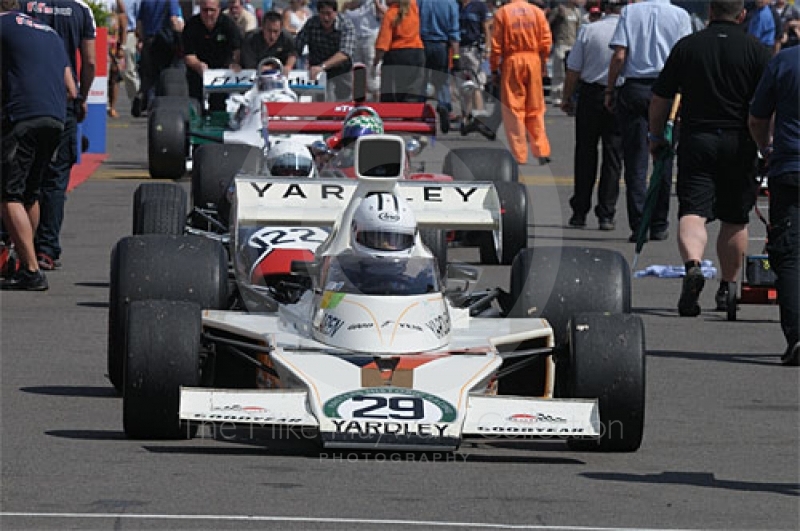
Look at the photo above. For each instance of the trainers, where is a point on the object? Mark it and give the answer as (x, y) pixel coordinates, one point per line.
(544, 161)
(47, 262)
(721, 296)
(606, 224)
(24, 280)
(792, 355)
(693, 284)
(577, 222)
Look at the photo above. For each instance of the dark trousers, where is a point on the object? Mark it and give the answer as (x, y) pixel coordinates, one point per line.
(783, 250)
(402, 76)
(593, 123)
(633, 105)
(436, 68)
(155, 57)
(53, 191)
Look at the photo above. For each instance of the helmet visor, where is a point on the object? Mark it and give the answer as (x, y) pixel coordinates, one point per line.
(385, 240)
(290, 165)
(269, 82)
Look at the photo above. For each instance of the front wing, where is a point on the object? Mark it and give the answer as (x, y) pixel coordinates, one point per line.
(418, 401)
(491, 417)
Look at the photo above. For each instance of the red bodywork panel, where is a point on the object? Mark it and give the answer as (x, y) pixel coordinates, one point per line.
(439, 177)
(327, 117)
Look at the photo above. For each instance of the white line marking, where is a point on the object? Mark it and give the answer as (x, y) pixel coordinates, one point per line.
(289, 519)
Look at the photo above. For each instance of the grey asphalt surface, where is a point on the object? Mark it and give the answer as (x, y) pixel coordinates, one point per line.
(720, 448)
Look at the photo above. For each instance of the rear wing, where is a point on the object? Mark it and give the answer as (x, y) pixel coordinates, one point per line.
(319, 202)
(226, 80)
(327, 117)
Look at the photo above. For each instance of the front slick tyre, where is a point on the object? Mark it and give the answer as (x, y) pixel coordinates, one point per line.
(163, 354)
(607, 362)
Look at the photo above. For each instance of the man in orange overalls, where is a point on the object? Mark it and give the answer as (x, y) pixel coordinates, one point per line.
(521, 42)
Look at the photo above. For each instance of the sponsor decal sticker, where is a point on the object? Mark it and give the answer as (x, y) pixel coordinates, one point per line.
(330, 300)
(530, 418)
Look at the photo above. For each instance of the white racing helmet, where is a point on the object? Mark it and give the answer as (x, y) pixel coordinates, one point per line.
(289, 158)
(384, 226)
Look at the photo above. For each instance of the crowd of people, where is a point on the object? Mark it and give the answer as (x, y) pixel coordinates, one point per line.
(616, 66)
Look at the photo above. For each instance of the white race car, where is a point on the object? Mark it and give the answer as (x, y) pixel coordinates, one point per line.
(371, 348)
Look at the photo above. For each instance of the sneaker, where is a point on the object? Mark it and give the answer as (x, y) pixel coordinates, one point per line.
(606, 224)
(24, 280)
(659, 235)
(721, 296)
(544, 160)
(792, 355)
(693, 284)
(47, 263)
(577, 222)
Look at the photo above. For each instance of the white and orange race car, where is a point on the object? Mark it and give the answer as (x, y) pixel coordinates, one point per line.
(372, 348)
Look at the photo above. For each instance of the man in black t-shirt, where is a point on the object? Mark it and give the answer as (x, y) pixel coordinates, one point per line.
(210, 40)
(269, 41)
(716, 71)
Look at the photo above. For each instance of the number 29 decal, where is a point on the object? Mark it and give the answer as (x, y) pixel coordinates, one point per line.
(381, 404)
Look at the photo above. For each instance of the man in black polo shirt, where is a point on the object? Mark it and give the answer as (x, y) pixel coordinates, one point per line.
(269, 41)
(716, 71)
(331, 41)
(210, 40)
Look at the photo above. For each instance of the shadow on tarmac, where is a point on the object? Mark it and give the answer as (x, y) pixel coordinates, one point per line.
(697, 479)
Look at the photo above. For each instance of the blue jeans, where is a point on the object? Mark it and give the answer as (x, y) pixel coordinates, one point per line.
(784, 254)
(53, 191)
(633, 105)
(437, 71)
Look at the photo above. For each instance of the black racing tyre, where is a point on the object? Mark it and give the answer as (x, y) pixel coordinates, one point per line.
(162, 354)
(514, 230)
(555, 283)
(172, 82)
(167, 143)
(174, 89)
(159, 208)
(156, 266)
(179, 103)
(485, 164)
(436, 241)
(607, 362)
(213, 170)
(732, 299)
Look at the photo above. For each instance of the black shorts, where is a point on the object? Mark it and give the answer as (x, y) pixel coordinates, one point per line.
(717, 175)
(27, 149)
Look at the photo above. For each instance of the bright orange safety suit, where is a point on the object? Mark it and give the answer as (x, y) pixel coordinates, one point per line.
(521, 42)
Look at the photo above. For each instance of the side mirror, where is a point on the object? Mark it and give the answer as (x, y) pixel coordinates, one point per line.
(414, 146)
